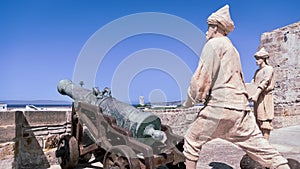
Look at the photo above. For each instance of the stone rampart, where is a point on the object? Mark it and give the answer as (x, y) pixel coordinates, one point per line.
(178, 119)
(28, 138)
(283, 44)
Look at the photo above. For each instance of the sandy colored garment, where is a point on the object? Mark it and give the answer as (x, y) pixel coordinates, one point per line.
(251, 89)
(264, 107)
(219, 76)
(238, 127)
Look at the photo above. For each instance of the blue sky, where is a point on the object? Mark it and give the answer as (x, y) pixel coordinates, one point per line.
(42, 41)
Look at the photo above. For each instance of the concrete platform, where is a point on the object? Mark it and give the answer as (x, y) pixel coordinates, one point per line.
(224, 155)
(287, 141)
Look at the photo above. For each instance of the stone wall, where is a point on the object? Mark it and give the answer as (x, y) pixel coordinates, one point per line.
(178, 119)
(283, 44)
(28, 138)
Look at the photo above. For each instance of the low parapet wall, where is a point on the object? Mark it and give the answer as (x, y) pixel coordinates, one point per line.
(27, 138)
(178, 119)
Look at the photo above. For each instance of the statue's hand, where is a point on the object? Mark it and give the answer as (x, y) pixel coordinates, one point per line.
(254, 98)
(188, 103)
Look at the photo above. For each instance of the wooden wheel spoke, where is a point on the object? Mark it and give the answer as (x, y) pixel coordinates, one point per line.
(122, 162)
(119, 157)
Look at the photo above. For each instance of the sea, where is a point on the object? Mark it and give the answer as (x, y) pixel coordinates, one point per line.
(37, 103)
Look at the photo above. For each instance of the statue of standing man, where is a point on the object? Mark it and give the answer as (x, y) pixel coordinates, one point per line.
(263, 98)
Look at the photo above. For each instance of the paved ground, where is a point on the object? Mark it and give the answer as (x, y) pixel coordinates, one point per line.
(219, 154)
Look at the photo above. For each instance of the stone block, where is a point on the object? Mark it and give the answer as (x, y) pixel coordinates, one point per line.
(30, 153)
(56, 127)
(43, 118)
(41, 133)
(180, 130)
(38, 131)
(169, 118)
(191, 117)
(7, 118)
(51, 141)
(7, 152)
(7, 133)
(58, 131)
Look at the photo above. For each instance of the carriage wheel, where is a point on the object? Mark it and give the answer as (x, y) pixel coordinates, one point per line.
(67, 152)
(85, 158)
(121, 157)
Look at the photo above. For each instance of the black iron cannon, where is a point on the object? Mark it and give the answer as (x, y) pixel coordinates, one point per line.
(122, 135)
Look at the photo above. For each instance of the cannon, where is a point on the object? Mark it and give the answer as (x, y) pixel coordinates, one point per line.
(116, 133)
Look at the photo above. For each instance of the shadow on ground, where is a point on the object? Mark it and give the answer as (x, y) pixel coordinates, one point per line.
(218, 165)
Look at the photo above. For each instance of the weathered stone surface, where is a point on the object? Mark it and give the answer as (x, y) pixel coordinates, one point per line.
(51, 141)
(33, 133)
(42, 118)
(178, 119)
(7, 133)
(7, 126)
(7, 118)
(7, 152)
(30, 154)
(248, 163)
(283, 47)
(58, 131)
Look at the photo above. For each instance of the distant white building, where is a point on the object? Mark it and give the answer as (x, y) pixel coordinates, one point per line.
(142, 101)
(3, 107)
(32, 107)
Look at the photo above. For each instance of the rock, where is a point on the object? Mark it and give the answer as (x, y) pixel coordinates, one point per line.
(293, 164)
(249, 163)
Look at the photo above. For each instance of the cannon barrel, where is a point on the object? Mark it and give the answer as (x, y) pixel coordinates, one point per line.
(143, 125)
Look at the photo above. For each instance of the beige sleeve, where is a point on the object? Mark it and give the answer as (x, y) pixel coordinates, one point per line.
(266, 83)
(202, 78)
(200, 84)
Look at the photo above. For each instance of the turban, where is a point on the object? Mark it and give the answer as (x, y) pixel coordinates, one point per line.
(262, 53)
(222, 18)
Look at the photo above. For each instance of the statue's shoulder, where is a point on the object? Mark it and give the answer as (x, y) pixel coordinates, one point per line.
(219, 42)
(222, 39)
(268, 68)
